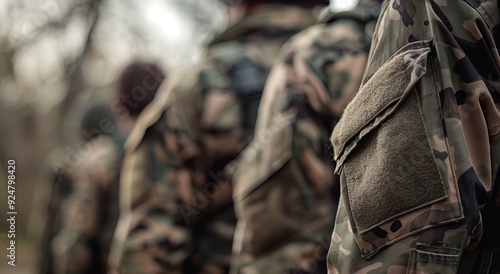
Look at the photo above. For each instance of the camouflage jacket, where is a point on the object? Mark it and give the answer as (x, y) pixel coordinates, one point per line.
(285, 189)
(89, 213)
(418, 148)
(176, 198)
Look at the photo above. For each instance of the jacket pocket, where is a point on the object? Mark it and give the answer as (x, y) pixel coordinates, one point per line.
(386, 155)
(433, 259)
(271, 195)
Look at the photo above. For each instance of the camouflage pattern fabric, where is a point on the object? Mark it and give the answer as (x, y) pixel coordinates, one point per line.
(418, 148)
(89, 167)
(55, 187)
(88, 215)
(177, 213)
(285, 174)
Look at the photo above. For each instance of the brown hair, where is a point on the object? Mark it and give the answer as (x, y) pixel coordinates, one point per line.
(138, 85)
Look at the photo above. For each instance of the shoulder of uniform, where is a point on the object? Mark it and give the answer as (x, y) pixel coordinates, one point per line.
(321, 38)
(179, 86)
(270, 20)
(228, 51)
(308, 36)
(363, 13)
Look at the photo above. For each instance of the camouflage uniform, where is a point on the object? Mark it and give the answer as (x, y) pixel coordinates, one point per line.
(85, 216)
(418, 148)
(90, 213)
(83, 208)
(176, 198)
(285, 190)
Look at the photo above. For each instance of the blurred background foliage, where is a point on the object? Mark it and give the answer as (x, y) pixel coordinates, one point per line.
(56, 56)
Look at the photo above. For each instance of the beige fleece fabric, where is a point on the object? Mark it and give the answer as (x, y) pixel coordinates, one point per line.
(388, 85)
(393, 170)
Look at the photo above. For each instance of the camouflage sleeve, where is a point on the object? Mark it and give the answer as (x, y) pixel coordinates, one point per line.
(417, 148)
(317, 74)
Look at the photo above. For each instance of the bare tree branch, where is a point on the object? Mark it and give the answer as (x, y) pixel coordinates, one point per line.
(75, 77)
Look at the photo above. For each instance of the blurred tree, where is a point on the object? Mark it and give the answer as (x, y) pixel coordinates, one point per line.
(74, 69)
(45, 46)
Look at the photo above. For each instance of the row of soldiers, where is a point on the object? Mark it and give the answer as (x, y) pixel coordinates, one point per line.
(80, 198)
(233, 166)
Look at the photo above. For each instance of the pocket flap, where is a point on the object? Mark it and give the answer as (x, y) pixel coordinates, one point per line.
(379, 97)
(382, 147)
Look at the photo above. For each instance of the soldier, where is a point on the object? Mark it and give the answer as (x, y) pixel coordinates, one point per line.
(418, 148)
(285, 191)
(177, 208)
(86, 213)
(90, 213)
